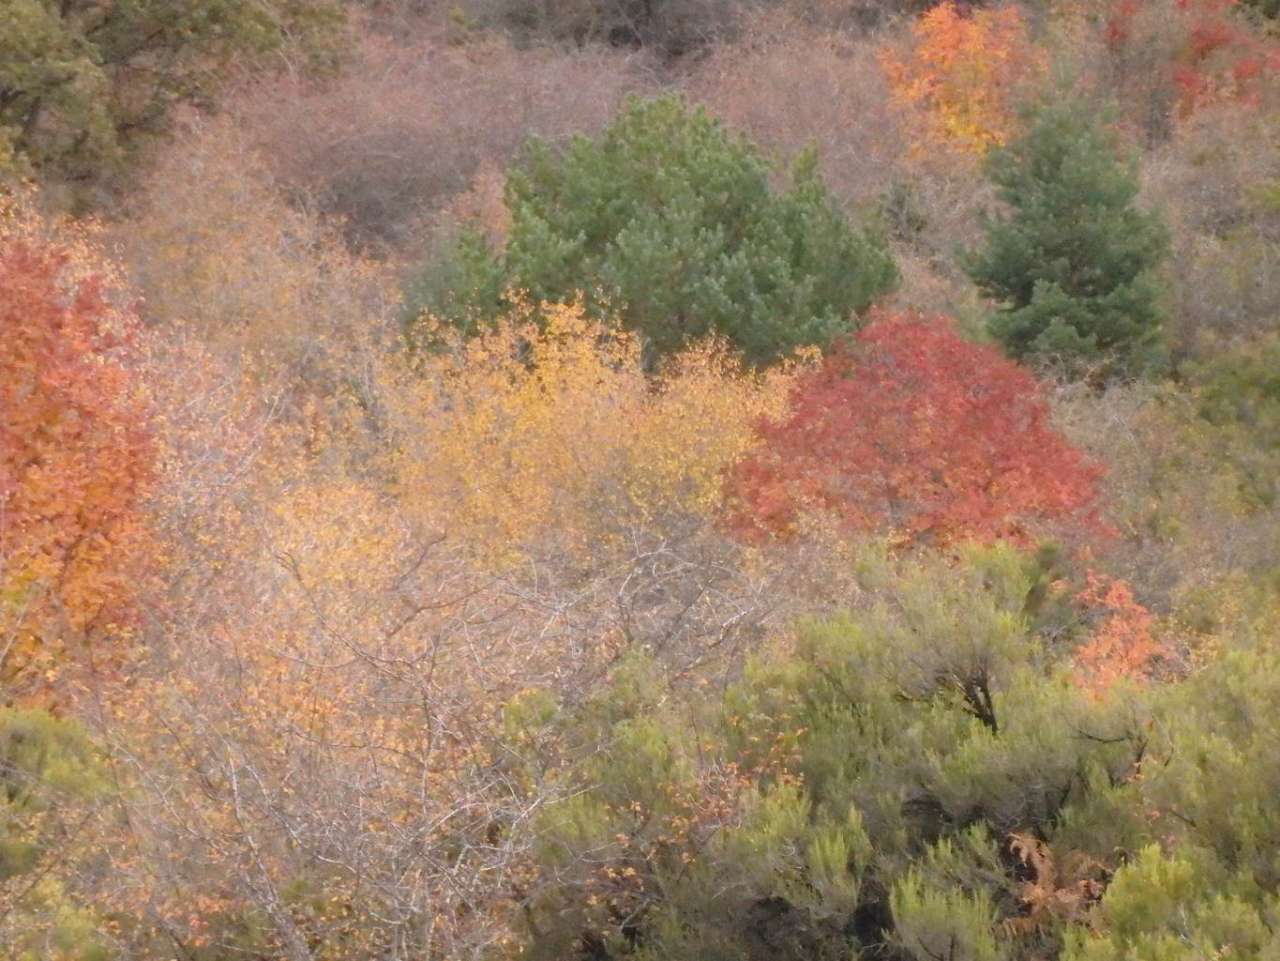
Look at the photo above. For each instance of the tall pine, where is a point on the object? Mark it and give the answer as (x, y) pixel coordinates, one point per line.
(1070, 261)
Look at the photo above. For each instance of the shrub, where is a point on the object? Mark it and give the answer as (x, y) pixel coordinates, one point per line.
(921, 776)
(863, 789)
(215, 249)
(412, 120)
(1216, 177)
(52, 781)
(671, 219)
(839, 102)
(1070, 260)
(1167, 59)
(540, 434)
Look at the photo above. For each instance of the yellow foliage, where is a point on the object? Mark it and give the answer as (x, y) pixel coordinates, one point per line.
(548, 428)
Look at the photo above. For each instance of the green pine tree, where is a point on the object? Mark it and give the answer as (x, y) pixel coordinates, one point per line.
(1071, 261)
(670, 221)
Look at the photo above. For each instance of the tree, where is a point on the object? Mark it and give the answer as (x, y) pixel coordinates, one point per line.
(910, 429)
(963, 74)
(547, 430)
(80, 79)
(1070, 261)
(76, 453)
(671, 219)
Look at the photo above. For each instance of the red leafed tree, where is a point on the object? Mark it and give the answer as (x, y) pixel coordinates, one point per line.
(912, 431)
(75, 455)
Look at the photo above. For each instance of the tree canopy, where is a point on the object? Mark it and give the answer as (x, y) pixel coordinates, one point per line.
(1070, 260)
(671, 220)
(80, 80)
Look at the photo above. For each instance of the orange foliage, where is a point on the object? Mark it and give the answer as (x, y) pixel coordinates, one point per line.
(1123, 645)
(914, 431)
(76, 455)
(1054, 893)
(963, 74)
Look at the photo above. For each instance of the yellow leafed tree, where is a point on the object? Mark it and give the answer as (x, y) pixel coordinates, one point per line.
(548, 429)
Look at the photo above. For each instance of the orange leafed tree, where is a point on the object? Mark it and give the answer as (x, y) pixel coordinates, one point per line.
(962, 74)
(1123, 645)
(912, 431)
(75, 452)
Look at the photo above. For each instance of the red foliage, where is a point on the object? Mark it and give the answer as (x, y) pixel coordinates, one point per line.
(75, 457)
(1215, 55)
(913, 431)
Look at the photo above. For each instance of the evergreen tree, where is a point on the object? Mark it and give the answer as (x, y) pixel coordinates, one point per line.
(672, 220)
(1071, 260)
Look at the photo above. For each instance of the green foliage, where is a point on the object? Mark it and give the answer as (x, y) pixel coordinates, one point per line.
(50, 775)
(1241, 387)
(79, 80)
(921, 775)
(856, 793)
(1175, 908)
(672, 219)
(941, 921)
(467, 284)
(1070, 262)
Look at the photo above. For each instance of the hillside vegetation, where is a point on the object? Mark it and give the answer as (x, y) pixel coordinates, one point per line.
(639, 480)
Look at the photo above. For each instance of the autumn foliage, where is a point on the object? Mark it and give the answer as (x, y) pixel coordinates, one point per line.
(75, 453)
(962, 74)
(550, 423)
(1123, 643)
(1209, 53)
(913, 431)
(641, 591)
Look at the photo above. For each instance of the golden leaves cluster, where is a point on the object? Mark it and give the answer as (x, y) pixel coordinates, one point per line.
(549, 425)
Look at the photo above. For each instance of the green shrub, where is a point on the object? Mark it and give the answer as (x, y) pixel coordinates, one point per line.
(50, 778)
(926, 778)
